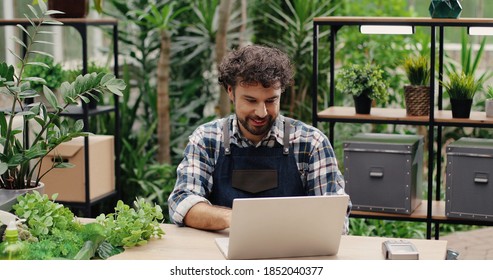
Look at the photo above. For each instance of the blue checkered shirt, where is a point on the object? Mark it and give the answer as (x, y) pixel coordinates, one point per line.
(314, 155)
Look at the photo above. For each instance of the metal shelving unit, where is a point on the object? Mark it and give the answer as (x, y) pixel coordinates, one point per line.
(84, 112)
(431, 211)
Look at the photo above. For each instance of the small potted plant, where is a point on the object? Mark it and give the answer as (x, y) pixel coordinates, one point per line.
(461, 89)
(365, 83)
(72, 8)
(21, 154)
(417, 94)
(488, 105)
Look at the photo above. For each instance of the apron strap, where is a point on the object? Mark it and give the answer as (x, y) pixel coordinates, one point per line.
(227, 145)
(287, 130)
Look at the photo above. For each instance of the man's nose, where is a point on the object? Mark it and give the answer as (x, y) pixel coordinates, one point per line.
(261, 110)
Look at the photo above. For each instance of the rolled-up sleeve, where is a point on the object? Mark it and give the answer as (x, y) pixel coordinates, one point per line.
(194, 177)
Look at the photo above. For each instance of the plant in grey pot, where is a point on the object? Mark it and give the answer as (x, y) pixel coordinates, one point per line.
(461, 88)
(21, 149)
(365, 83)
(417, 94)
(488, 103)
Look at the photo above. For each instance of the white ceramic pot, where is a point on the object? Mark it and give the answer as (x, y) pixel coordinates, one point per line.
(9, 197)
(488, 108)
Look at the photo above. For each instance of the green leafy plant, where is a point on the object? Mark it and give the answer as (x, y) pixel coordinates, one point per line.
(356, 80)
(130, 227)
(20, 160)
(489, 92)
(461, 86)
(46, 68)
(54, 232)
(42, 214)
(417, 70)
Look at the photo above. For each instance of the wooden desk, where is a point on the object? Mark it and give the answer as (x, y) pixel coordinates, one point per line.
(182, 243)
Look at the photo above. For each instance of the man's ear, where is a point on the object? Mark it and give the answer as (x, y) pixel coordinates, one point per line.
(231, 94)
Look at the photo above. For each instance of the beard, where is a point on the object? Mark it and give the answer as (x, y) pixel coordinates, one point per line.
(257, 130)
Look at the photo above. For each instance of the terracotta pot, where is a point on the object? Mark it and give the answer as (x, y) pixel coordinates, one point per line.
(71, 8)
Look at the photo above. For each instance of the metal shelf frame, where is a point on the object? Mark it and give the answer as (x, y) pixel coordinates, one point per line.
(435, 120)
(81, 25)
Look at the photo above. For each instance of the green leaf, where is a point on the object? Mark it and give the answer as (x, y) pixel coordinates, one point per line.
(42, 6)
(33, 11)
(50, 96)
(79, 125)
(36, 63)
(19, 41)
(3, 167)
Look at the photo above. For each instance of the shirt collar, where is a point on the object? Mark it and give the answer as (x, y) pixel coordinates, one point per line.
(275, 133)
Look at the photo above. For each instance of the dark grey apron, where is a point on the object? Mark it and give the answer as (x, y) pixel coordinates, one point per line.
(255, 172)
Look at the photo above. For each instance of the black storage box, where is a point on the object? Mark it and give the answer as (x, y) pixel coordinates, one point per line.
(469, 189)
(383, 172)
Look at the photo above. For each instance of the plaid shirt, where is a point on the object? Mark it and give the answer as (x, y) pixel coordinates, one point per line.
(314, 155)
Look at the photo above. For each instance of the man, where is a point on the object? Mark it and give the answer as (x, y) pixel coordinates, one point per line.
(255, 152)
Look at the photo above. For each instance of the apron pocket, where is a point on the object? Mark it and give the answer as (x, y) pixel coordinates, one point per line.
(254, 181)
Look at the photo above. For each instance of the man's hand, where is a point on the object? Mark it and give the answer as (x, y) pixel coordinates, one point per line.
(208, 217)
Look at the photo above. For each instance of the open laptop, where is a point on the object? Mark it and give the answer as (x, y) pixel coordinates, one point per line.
(284, 227)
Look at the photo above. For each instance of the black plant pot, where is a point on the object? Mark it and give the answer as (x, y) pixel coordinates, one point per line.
(71, 8)
(362, 104)
(461, 108)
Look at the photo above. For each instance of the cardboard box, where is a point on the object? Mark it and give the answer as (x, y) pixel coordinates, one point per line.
(469, 186)
(69, 183)
(383, 172)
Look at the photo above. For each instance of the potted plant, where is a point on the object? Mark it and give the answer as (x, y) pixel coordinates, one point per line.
(461, 89)
(72, 8)
(21, 155)
(417, 94)
(365, 83)
(488, 105)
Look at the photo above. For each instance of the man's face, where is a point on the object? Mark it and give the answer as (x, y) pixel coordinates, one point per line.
(256, 108)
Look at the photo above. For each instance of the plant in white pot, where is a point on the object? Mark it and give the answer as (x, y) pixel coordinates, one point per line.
(461, 88)
(365, 83)
(488, 103)
(21, 157)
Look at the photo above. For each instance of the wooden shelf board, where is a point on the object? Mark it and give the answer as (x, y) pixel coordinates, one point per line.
(399, 114)
(426, 21)
(438, 212)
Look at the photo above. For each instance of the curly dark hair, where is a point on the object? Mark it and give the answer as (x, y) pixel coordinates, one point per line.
(254, 64)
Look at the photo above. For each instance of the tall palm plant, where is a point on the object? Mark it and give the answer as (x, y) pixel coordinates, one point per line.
(162, 19)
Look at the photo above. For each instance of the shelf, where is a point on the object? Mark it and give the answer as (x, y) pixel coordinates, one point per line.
(415, 21)
(444, 117)
(348, 114)
(420, 214)
(391, 115)
(431, 210)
